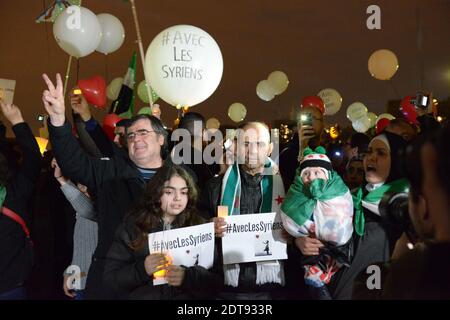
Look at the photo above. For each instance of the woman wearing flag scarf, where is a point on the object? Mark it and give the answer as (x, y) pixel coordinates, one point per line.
(374, 242)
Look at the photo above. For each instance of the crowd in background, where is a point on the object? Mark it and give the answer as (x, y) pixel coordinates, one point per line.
(89, 202)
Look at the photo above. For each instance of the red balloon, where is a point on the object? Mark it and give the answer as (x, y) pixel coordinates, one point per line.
(94, 90)
(382, 124)
(314, 101)
(109, 123)
(409, 110)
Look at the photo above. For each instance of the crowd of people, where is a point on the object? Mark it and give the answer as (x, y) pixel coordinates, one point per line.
(75, 223)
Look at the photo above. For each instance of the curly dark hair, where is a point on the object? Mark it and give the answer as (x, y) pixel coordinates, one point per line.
(147, 214)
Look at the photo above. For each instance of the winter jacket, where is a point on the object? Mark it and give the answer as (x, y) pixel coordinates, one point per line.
(125, 273)
(16, 253)
(117, 185)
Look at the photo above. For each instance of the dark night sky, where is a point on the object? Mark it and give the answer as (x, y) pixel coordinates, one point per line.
(318, 44)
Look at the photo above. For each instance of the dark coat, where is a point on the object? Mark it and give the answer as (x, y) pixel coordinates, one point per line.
(418, 274)
(15, 250)
(373, 247)
(125, 273)
(117, 185)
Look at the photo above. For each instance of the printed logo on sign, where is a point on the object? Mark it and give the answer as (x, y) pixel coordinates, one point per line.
(262, 246)
(181, 242)
(254, 227)
(73, 22)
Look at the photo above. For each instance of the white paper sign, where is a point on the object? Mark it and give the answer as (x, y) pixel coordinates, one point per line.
(190, 246)
(253, 237)
(7, 88)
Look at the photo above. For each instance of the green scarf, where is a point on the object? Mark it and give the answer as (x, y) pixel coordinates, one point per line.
(301, 200)
(2, 195)
(374, 197)
(272, 190)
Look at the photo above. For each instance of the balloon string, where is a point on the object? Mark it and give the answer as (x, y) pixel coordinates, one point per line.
(68, 71)
(78, 69)
(106, 68)
(67, 74)
(47, 38)
(141, 50)
(394, 88)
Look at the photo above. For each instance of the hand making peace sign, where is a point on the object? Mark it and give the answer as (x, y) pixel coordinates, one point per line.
(53, 99)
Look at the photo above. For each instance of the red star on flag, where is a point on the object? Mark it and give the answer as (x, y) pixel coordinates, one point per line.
(279, 199)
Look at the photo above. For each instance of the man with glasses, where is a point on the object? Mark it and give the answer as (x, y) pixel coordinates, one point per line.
(117, 182)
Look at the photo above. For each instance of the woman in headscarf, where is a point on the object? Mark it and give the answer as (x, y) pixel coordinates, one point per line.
(374, 241)
(374, 238)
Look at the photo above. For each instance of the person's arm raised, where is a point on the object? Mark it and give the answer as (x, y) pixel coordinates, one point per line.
(53, 99)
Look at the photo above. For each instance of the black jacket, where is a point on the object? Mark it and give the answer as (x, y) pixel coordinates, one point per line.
(15, 250)
(117, 185)
(288, 161)
(125, 273)
(420, 274)
(373, 247)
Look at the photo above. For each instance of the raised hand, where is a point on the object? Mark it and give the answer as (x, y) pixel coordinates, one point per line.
(57, 172)
(11, 112)
(53, 99)
(80, 105)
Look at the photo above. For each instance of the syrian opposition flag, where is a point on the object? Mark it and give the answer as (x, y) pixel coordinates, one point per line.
(124, 104)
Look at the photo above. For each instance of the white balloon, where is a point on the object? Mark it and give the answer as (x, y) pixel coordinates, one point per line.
(362, 124)
(264, 90)
(212, 123)
(77, 31)
(113, 89)
(113, 33)
(356, 110)
(383, 64)
(373, 119)
(184, 65)
(278, 81)
(332, 101)
(237, 112)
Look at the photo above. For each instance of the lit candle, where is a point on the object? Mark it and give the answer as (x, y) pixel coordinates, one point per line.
(162, 273)
(222, 211)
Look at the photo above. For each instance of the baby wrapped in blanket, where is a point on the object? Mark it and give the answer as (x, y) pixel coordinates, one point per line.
(320, 205)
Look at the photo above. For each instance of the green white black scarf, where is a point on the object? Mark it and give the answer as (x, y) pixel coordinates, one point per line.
(301, 200)
(371, 200)
(272, 191)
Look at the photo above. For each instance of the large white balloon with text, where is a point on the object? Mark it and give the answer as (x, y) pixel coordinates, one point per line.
(184, 65)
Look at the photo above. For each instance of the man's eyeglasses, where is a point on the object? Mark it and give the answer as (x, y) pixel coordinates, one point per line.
(141, 133)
